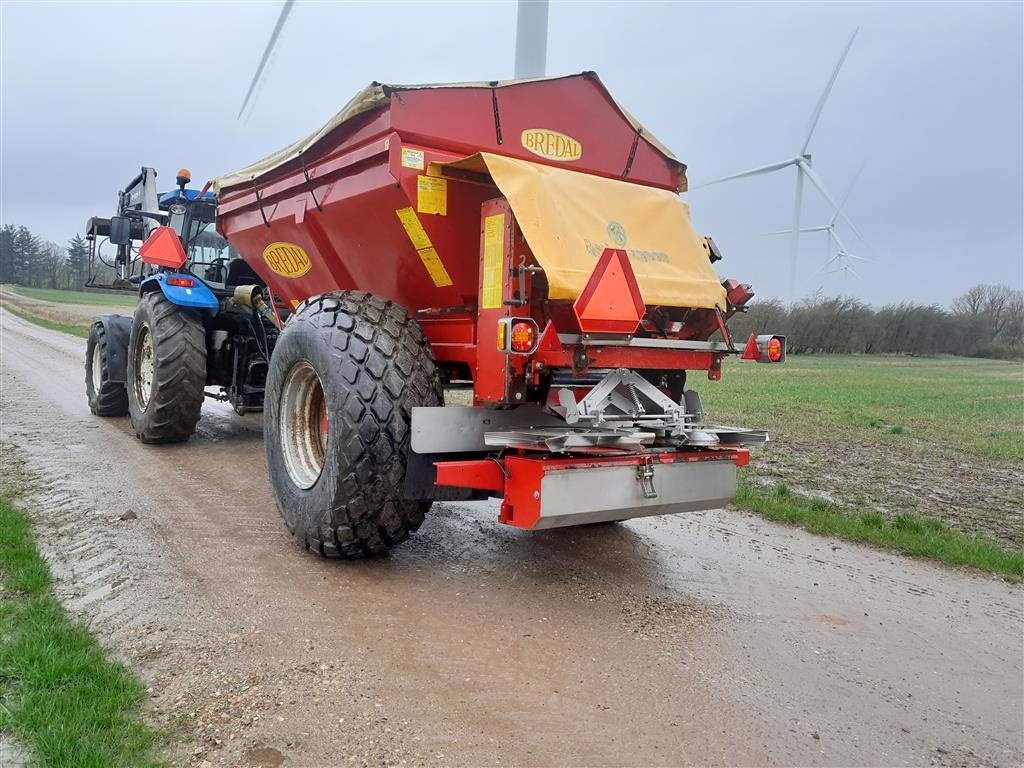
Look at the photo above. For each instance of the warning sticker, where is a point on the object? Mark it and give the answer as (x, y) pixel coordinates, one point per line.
(432, 195)
(494, 235)
(425, 249)
(412, 158)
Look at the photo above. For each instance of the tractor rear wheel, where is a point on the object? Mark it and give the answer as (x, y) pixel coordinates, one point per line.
(106, 397)
(166, 370)
(345, 375)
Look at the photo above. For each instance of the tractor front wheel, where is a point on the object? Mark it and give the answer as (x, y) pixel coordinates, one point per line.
(345, 375)
(166, 370)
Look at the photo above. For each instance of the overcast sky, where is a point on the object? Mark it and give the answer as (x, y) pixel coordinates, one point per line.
(931, 99)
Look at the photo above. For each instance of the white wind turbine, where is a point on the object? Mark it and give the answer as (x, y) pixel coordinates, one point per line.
(802, 162)
(843, 254)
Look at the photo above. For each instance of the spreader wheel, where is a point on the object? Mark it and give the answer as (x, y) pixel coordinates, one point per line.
(344, 377)
(166, 370)
(106, 397)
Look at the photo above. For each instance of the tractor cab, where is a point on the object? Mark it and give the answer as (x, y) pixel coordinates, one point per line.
(192, 214)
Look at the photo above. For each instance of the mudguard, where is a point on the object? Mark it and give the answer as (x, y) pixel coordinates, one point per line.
(117, 328)
(196, 296)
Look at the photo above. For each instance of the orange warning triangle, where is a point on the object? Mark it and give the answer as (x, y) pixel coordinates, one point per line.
(163, 248)
(610, 301)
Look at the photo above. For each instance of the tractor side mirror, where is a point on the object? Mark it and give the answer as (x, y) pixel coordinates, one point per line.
(120, 230)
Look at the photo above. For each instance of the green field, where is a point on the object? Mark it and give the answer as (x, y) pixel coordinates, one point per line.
(126, 299)
(968, 405)
(942, 438)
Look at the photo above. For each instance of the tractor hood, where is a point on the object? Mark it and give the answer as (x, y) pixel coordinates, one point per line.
(569, 218)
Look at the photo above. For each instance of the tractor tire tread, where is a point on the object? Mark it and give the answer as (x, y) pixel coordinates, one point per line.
(111, 398)
(179, 372)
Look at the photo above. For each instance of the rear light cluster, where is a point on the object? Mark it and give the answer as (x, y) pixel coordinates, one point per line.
(181, 282)
(518, 335)
(766, 348)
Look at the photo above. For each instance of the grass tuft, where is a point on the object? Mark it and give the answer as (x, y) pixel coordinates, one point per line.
(908, 533)
(57, 690)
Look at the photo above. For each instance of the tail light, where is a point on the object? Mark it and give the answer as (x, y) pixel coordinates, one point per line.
(518, 335)
(181, 282)
(766, 348)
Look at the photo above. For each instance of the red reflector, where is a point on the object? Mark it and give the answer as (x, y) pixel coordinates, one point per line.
(751, 352)
(524, 336)
(181, 282)
(775, 350)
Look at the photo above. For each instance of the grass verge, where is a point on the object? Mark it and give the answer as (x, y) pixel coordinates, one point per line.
(82, 331)
(93, 298)
(907, 533)
(58, 693)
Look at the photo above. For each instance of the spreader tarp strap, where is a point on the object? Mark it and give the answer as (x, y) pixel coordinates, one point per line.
(569, 218)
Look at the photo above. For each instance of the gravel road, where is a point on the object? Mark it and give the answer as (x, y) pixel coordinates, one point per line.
(704, 638)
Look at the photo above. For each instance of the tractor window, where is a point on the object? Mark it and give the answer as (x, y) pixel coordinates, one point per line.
(205, 245)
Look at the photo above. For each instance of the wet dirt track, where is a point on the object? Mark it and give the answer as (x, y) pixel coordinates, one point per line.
(706, 638)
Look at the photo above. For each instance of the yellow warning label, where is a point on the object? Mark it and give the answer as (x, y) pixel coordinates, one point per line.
(432, 195)
(287, 259)
(412, 158)
(494, 242)
(425, 249)
(413, 228)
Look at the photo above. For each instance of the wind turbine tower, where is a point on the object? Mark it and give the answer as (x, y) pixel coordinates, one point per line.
(531, 38)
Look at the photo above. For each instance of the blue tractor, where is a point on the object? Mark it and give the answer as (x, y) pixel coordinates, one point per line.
(204, 318)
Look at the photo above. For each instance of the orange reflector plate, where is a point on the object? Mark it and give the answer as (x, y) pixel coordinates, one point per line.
(163, 248)
(610, 301)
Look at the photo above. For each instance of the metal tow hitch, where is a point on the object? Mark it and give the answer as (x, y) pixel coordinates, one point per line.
(645, 476)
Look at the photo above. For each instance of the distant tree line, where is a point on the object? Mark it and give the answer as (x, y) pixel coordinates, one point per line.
(27, 259)
(986, 321)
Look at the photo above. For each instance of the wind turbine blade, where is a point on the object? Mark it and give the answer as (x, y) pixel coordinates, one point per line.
(751, 172)
(820, 185)
(824, 94)
(840, 245)
(802, 229)
(849, 189)
(285, 10)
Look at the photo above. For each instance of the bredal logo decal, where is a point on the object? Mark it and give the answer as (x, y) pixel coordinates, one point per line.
(287, 259)
(551, 145)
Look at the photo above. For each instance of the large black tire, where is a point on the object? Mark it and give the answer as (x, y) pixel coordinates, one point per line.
(166, 370)
(106, 397)
(344, 377)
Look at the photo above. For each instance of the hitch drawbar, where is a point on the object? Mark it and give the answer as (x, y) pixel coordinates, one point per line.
(555, 491)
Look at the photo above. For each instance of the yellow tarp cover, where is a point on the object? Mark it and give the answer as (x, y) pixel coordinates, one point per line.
(569, 218)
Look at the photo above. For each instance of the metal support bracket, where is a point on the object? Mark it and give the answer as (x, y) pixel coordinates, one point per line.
(645, 476)
(309, 183)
